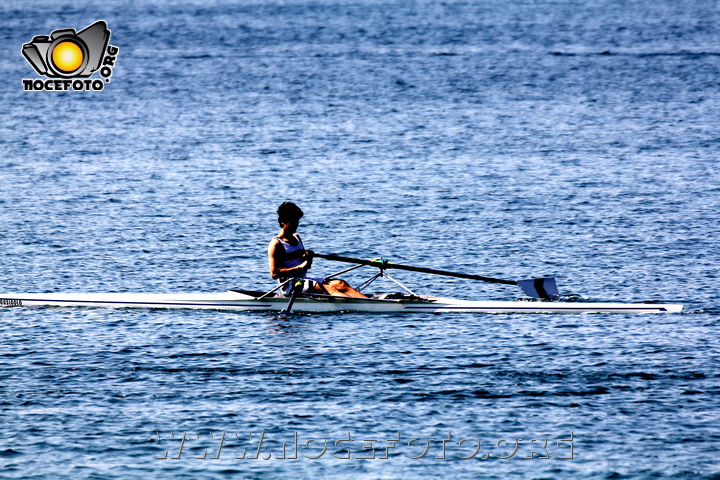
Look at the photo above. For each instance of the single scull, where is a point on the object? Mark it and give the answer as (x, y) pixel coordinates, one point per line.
(247, 300)
(243, 300)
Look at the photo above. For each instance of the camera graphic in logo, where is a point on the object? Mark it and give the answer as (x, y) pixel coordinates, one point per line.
(68, 54)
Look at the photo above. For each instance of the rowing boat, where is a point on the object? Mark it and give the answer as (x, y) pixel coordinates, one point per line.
(543, 293)
(243, 300)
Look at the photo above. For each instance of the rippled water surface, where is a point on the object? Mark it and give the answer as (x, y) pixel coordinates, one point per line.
(507, 139)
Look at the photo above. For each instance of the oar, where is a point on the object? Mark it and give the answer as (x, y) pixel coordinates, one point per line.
(535, 287)
(296, 288)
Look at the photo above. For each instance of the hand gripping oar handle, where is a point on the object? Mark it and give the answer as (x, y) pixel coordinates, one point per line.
(536, 287)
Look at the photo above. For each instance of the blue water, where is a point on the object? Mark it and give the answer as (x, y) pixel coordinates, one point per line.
(504, 138)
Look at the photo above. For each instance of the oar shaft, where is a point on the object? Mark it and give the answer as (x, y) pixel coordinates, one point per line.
(386, 265)
(453, 274)
(297, 287)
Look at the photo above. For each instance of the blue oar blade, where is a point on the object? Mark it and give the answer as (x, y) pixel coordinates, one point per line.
(539, 287)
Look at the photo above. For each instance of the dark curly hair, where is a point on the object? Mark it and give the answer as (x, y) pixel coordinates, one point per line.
(288, 212)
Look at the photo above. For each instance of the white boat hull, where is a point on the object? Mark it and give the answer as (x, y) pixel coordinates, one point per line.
(237, 300)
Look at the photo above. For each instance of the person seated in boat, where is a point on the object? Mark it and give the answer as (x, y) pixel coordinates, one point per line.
(287, 258)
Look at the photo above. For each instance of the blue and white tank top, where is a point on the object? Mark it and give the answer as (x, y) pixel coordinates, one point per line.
(293, 253)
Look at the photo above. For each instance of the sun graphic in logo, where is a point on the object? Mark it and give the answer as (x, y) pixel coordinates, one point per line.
(67, 56)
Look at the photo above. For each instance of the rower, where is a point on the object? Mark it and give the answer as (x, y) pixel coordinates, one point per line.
(287, 258)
